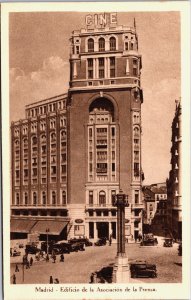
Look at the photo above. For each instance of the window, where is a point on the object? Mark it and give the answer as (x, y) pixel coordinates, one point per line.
(113, 154)
(77, 49)
(136, 197)
(113, 194)
(53, 137)
(112, 66)
(90, 68)
(102, 155)
(131, 46)
(17, 198)
(17, 174)
(136, 169)
(126, 46)
(34, 198)
(90, 45)
(63, 169)
(113, 131)
(102, 198)
(90, 165)
(53, 198)
(90, 197)
(112, 43)
(63, 198)
(25, 172)
(34, 140)
(135, 67)
(44, 198)
(101, 44)
(113, 167)
(90, 132)
(101, 167)
(101, 67)
(53, 170)
(90, 155)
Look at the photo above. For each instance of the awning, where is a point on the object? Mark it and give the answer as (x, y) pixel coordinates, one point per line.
(53, 227)
(22, 226)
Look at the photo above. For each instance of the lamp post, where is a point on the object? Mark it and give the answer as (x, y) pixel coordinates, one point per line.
(47, 231)
(121, 268)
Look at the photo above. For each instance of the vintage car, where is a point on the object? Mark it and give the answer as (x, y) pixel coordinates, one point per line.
(76, 245)
(84, 240)
(60, 248)
(168, 242)
(180, 249)
(31, 249)
(16, 252)
(142, 269)
(149, 240)
(101, 242)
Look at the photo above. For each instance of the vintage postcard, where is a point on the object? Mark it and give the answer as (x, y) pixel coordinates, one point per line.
(96, 150)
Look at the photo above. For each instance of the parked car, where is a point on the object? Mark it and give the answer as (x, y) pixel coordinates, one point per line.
(60, 248)
(76, 245)
(44, 245)
(31, 249)
(149, 240)
(81, 240)
(168, 242)
(143, 270)
(101, 242)
(16, 252)
(180, 249)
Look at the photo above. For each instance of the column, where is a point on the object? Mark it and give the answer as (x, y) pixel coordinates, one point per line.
(74, 70)
(95, 230)
(105, 67)
(87, 233)
(94, 68)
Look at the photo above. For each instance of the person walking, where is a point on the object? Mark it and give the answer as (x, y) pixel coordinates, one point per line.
(31, 261)
(54, 258)
(14, 279)
(47, 258)
(62, 257)
(51, 280)
(16, 268)
(110, 240)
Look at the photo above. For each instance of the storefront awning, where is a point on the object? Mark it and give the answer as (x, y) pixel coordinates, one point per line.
(22, 226)
(53, 227)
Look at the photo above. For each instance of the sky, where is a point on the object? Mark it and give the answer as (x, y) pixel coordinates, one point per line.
(39, 68)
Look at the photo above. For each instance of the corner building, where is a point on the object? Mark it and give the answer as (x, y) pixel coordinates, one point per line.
(104, 128)
(79, 149)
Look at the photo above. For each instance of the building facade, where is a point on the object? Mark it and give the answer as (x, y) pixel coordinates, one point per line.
(174, 180)
(73, 153)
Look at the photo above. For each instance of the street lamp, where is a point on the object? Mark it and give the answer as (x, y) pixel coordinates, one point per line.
(121, 268)
(47, 231)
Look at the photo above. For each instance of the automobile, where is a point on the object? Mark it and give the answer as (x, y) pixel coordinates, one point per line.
(76, 244)
(180, 249)
(84, 240)
(143, 270)
(168, 242)
(60, 248)
(149, 240)
(16, 252)
(101, 242)
(31, 249)
(44, 245)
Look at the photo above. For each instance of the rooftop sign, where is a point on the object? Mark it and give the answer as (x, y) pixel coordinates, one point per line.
(101, 20)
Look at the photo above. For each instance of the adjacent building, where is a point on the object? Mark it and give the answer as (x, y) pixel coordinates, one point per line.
(174, 180)
(74, 152)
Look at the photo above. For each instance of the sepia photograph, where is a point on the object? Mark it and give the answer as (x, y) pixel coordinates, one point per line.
(94, 150)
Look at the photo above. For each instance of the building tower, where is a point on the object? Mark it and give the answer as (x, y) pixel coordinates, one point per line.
(104, 127)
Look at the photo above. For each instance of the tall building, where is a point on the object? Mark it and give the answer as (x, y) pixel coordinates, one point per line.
(70, 161)
(174, 181)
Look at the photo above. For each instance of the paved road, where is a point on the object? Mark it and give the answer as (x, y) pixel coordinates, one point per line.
(79, 265)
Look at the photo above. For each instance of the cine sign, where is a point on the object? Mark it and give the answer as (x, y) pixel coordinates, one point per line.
(101, 19)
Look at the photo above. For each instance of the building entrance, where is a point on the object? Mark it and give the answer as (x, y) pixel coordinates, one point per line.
(103, 230)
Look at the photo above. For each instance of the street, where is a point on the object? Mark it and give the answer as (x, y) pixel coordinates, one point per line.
(78, 266)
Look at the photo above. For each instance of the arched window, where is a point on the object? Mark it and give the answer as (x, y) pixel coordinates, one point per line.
(43, 138)
(43, 198)
(102, 198)
(53, 137)
(34, 140)
(101, 44)
(90, 45)
(17, 199)
(34, 198)
(26, 198)
(63, 198)
(112, 43)
(53, 198)
(63, 134)
(25, 142)
(16, 142)
(136, 132)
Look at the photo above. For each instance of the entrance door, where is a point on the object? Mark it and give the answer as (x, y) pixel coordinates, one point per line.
(103, 230)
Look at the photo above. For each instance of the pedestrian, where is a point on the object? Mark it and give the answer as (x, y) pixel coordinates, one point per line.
(16, 268)
(51, 279)
(47, 257)
(31, 261)
(139, 236)
(62, 257)
(14, 279)
(27, 264)
(54, 258)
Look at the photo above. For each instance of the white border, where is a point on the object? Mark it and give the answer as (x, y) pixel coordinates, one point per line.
(164, 291)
